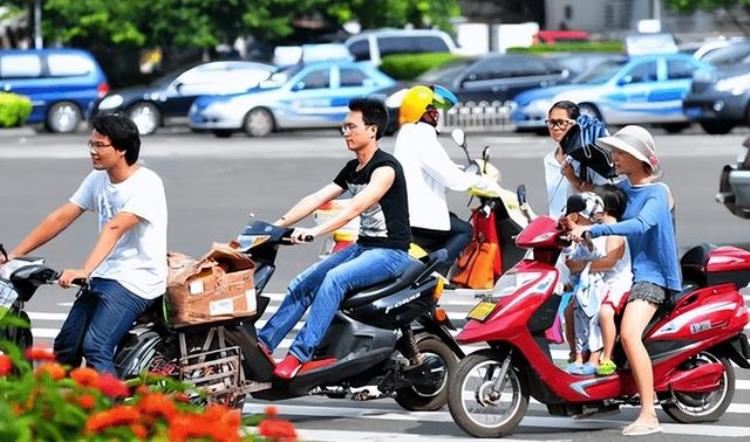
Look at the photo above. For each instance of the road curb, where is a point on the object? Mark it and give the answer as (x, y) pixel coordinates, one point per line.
(17, 132)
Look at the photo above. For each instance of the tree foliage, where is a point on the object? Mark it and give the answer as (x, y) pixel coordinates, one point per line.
(692, 5)
(205, 23)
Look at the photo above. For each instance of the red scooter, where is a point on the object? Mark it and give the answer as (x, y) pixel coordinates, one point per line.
(691, 342)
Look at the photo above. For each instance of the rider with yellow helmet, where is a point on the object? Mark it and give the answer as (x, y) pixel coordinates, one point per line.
(430, 172)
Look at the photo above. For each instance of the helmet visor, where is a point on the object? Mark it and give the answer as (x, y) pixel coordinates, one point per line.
(444, 99)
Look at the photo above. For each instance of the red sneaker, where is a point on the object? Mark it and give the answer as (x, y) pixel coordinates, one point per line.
(287, 368)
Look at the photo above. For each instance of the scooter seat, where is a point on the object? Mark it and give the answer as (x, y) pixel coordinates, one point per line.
(357, 297)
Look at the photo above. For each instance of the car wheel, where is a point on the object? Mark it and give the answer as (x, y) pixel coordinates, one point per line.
(146, 117)
(63, 117)
(590, 110)
(222, 133)
(717, 127)
(258, 123)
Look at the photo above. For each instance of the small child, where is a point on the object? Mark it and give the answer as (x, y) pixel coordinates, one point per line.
(602, 273)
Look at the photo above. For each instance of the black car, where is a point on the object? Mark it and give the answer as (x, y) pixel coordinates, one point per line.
(719, 99)
(496, 77)
(171, 96)
(490, 78)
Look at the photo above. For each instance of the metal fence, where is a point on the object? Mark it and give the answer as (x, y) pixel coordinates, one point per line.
(479, 116)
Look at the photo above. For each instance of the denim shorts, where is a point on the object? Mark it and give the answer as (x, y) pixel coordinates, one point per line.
(655, 294)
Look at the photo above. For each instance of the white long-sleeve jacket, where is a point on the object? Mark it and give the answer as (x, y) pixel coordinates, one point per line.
(429, 171)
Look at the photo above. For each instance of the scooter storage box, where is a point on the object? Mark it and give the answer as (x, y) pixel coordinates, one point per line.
(217, 287)
(708, 264)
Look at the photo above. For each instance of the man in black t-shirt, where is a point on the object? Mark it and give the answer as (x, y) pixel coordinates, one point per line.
(377, 182)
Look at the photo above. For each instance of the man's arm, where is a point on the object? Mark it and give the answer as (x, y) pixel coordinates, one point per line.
(308, 204)
(108, 238)
(380, 181)
(50, 227)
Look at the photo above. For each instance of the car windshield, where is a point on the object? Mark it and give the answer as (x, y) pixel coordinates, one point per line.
(600, 73)
(281, 76)
(444, 74)
(731, 54)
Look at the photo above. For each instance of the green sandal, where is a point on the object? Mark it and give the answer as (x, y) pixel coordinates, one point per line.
(606, 368)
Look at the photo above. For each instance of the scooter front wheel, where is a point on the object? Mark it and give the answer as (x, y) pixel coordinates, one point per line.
(689, 408)
(483, 404)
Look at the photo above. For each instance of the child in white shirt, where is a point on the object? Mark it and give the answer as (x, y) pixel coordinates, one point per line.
(603, 274)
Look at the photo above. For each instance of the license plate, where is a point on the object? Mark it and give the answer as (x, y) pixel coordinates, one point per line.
(481, 311)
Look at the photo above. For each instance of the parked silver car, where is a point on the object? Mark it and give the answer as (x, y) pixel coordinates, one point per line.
(734, 187)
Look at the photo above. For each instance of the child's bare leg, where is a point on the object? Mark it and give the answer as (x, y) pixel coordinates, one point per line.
(570, 334)
(609, 331)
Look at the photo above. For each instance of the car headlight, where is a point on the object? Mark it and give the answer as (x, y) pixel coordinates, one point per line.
(735, 85)
(111, 102)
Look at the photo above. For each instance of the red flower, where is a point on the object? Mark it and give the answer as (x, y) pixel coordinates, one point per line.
(158, 404)
(272, 411)
(40, 354)
(84, 376)
(52, 369)
(140, 431)
(112, 386)
(6, 365)
(86, 401)
(277, 429)
(119, 415)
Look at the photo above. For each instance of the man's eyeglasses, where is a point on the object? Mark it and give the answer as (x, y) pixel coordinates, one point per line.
(561, 123)
(346, 129)
(97, 146)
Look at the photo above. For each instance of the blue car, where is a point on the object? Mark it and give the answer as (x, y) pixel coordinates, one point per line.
(63, 84)
(302, 96)
(628, 90)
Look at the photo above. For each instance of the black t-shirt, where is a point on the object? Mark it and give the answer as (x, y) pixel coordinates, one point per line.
(386, 223)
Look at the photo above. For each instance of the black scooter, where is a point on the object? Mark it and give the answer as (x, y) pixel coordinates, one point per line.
(391, 336)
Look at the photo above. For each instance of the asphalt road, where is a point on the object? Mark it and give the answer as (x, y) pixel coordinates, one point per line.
(213, 185)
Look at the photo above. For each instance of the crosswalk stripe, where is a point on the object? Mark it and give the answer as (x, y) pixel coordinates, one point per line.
(373, 436)
(555, 422)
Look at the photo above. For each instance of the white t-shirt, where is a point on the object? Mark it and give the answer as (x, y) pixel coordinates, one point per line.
(139, 259)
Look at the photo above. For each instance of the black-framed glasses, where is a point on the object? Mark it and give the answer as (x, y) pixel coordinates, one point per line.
(561, 123)
(97, 146)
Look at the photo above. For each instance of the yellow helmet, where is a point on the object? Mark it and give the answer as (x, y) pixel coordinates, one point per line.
(417, 98)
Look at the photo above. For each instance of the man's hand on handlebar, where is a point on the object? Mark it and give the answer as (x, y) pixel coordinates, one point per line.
(575, 232)
(72, 277)
(302, 235)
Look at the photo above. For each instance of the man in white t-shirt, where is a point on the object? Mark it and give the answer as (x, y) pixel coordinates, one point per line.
(127, 267)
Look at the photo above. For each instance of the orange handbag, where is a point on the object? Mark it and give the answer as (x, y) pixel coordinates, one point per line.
(476, 266)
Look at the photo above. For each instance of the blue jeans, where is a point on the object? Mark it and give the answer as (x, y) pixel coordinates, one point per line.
(324, 285)
(97, 321)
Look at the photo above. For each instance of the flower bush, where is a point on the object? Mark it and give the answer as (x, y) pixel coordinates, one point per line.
(41, 400)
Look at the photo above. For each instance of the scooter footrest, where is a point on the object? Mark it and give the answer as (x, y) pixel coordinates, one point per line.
(314, 365)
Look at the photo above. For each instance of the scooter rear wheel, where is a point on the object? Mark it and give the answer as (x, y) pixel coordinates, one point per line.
(690, 408)
(473, 405)
(430, 398)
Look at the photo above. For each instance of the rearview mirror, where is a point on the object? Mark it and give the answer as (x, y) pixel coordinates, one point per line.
(298, 86)
(459, 137)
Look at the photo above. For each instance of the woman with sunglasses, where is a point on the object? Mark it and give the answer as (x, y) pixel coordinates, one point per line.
(563, 175)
